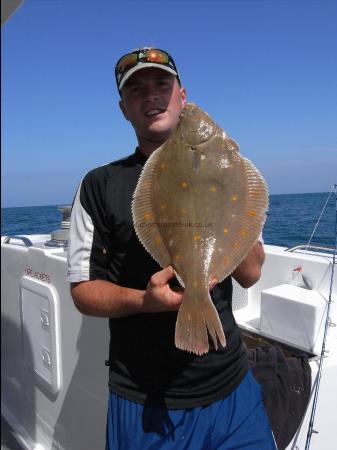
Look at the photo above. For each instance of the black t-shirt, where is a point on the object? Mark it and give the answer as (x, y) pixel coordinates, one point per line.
(145, 365)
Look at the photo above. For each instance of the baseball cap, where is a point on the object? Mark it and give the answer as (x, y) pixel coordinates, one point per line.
(142, 58)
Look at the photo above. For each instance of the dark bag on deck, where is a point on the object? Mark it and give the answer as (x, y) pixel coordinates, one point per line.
(286, 386)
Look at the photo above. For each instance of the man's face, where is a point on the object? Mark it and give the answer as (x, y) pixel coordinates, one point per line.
(152, 101)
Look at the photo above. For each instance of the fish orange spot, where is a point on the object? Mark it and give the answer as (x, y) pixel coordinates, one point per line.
(213, 189)
(178, 257)
(226, 261)
(147, 216)
(252, 213)
(243, 233)
(225, 230)
(236, 246)
(234, 198)
(184, 185)
(256, 194)
(197, 237)
(162, 166)
(158, 240)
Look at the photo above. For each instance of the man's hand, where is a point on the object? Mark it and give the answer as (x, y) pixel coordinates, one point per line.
(159, 296)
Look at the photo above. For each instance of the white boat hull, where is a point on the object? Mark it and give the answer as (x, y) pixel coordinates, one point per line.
(53, 376)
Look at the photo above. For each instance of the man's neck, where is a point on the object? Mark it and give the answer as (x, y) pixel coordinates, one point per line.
(148, 147)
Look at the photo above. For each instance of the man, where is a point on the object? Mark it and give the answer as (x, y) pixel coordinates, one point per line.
(160, 396)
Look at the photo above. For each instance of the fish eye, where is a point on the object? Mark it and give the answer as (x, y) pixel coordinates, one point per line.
(196, 133)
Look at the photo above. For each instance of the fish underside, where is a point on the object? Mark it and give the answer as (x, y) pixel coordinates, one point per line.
(199, 206)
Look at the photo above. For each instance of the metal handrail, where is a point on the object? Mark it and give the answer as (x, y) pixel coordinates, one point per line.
(313, 247)
(26, 241)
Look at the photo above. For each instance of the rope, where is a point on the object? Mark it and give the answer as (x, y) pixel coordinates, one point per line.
(320, 216)
(326, 327)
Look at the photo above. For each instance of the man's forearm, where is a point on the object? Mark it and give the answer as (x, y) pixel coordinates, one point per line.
(249, 271)
(105, 299)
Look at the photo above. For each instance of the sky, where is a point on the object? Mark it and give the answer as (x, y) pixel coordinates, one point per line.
(266, 72)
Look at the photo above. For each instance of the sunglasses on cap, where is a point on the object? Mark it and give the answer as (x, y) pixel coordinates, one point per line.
(144, 57)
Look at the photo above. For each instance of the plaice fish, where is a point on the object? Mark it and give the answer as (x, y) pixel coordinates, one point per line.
(199, 206)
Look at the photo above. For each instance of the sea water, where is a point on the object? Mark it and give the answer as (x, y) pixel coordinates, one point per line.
(291, 219)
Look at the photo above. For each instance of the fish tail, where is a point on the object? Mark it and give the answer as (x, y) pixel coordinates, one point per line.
(196, 319)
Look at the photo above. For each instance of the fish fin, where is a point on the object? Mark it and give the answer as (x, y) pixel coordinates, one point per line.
(251, 222)
(142, 214)
(232, 145)
(197, 318)
(180, 280)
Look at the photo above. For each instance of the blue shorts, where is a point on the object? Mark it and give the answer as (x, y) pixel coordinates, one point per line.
(238, 421)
